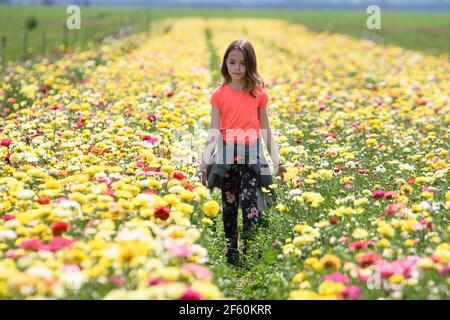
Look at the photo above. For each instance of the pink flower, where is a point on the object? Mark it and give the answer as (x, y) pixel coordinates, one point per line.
(390, 195)
(199, 271)
(8, 217)
(149, 139)
(337, 277)
(117, 281)
(5, 142)
(358, 245)
(393, 208)
(362, 277)
(180, 251)
(190, 294)
(444, 269)
(58, 243)
(406, 267)
(154, 281)
(32, 244)
(350, 293)
(378, 194)
(362, 171)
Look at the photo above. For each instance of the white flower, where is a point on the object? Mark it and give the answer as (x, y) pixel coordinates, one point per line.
(380, 169)
(41, 272)
(147, 196)
(73, 279)
(425, 205)
(295, 192)
(176, 189)
(350, 164)
(24, 194)
(6, 235)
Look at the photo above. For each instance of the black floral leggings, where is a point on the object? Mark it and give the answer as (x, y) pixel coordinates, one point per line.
(239, 186)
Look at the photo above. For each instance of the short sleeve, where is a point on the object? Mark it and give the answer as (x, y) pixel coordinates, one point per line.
(215, 98)
(263, 99)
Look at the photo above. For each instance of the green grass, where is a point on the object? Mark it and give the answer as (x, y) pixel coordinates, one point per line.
(96, 23)
(423, 31)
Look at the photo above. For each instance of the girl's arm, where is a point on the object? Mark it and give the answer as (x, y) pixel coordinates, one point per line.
(211, 140)
(272, 148)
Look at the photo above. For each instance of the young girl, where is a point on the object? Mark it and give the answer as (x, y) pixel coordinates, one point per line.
(238, 119)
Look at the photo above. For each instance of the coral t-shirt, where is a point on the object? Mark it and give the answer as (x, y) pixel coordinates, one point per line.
(239, 121)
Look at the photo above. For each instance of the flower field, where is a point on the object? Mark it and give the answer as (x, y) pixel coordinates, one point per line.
(99, 150)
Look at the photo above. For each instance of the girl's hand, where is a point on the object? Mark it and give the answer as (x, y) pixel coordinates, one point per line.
(202, 174)
(280, 169)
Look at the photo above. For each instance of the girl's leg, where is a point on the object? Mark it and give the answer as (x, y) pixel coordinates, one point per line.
(230, 205)
(248, 198)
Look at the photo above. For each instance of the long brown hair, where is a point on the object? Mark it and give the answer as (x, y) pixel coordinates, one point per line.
(252, 77)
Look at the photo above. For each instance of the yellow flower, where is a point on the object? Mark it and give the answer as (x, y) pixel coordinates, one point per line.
(330, 261)
(360, 233)
(360, 202)
(371, 142)
(303, 295)
(443, 252)
(187, 195)
(386, 230)
(396, 279)
(329, 287)
(211, 208)
(207, 290)
(299, 277)
(385, 243)
(410, 242)
(207, 221)
(281, 207)
(325, 174)
(426, 195)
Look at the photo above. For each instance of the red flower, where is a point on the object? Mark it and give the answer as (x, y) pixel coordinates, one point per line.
(333, 220)
(55, 107)
(11, 100)
(151, 117)
(59, 227)
(44, 200)
(169, 94)
(178, 175)
(44, 89)
(368, 259)
(162, 212)
(339, 168)
(78, 124)
(5, 142)
(362, 171)
(411, 180)
(333, 135)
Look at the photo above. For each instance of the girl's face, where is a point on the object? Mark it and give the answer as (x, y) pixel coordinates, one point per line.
(236, 65)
